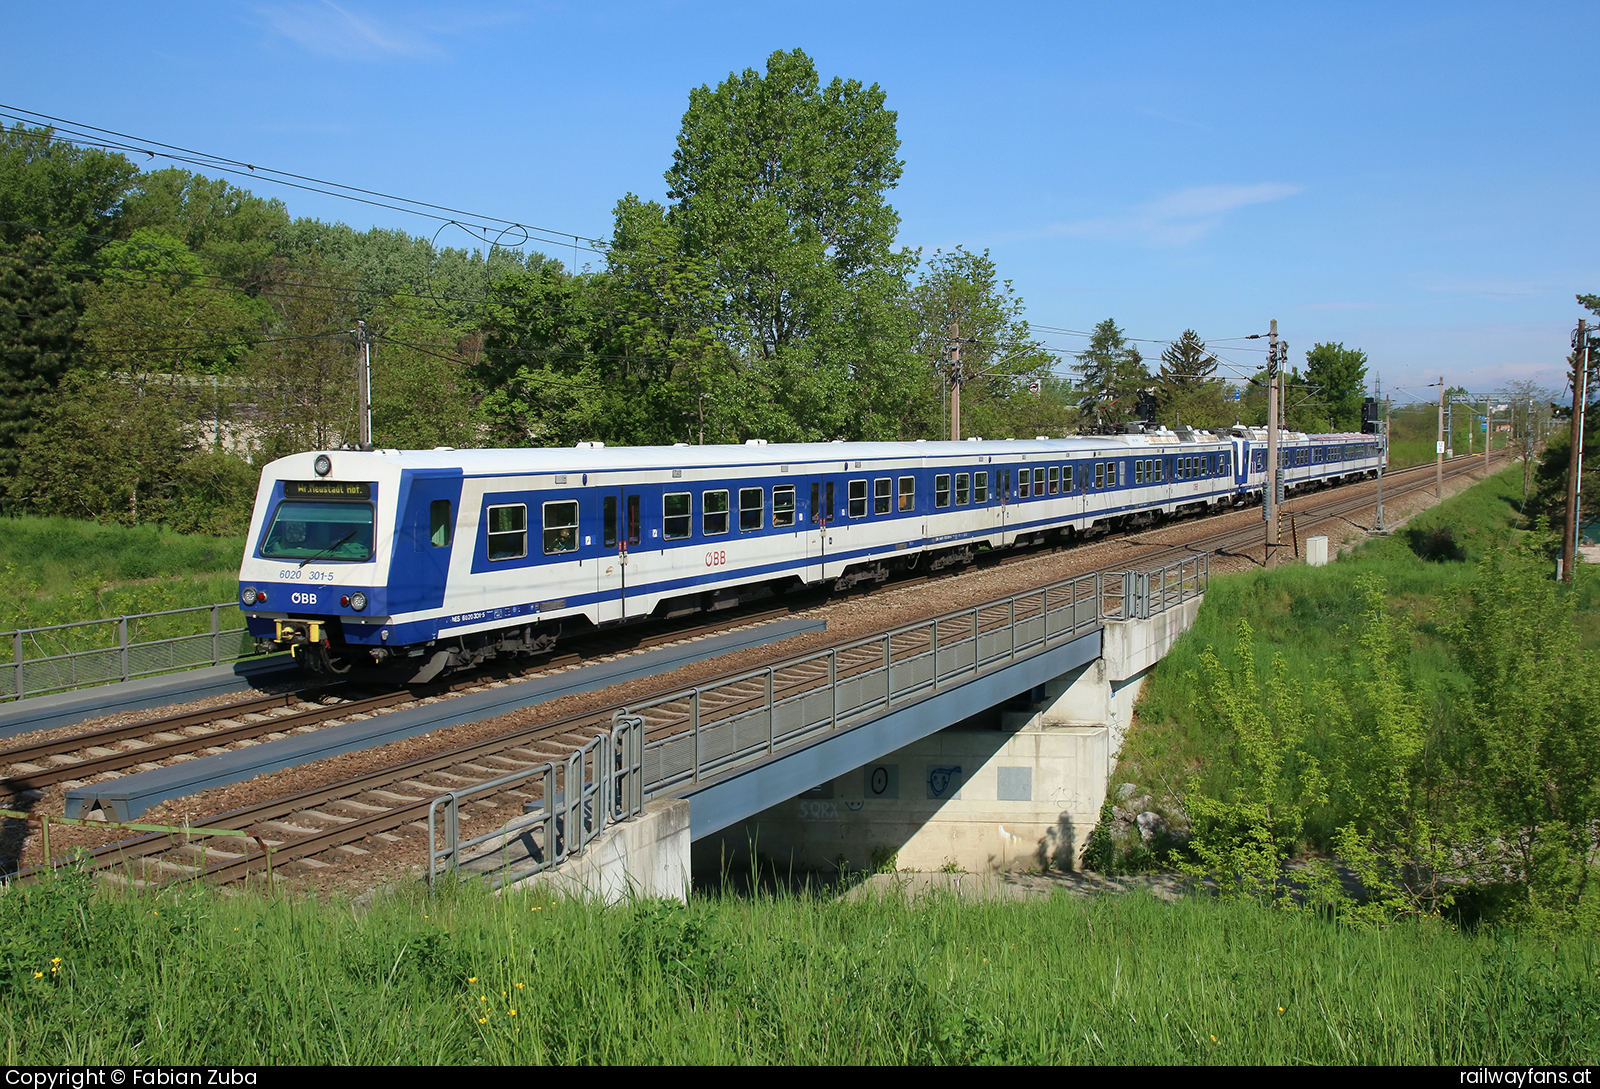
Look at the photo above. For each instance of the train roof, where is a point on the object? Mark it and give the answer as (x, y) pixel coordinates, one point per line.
(592, 457)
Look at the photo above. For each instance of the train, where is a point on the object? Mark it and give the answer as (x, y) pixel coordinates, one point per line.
(421, 562)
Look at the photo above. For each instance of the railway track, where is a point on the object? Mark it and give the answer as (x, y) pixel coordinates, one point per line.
(388, 805)
(155, 742)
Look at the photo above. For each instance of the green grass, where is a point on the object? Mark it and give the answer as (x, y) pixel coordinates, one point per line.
(1414, 431)
(1306, 614)
(58, 570)
(195, 977)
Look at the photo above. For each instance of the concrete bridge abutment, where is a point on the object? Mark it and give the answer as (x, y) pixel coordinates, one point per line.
(1014, 787)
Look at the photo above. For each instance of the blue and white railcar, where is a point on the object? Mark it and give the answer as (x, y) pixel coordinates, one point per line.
(438, 559)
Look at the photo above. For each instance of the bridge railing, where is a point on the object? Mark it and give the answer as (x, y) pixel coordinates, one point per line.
(1140, 595)
(58, 657)
(570, 802)
(707, 730)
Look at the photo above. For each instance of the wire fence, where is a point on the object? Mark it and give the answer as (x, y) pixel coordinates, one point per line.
(59, 657)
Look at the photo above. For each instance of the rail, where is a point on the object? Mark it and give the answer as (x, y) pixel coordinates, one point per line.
(121, 648)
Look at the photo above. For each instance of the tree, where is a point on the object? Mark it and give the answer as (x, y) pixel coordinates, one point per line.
(1391, 785)
(778, 185)
(1001, 362)
(155, 310)
(1528, 406)
(235, 233)
(38, 313)
(1250, 820)
(107, 448)
(422, 393)
(1338, 379)
(1114, 374)
(303, 373)
(1186, 391)
(71, 196)
(1533, 723)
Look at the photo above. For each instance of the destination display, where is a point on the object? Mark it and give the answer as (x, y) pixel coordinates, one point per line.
(327, 489)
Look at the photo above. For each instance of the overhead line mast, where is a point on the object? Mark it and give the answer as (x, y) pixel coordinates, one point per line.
(1580, 396)
(1276, 352)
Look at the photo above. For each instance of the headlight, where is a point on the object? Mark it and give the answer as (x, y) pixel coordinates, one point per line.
(249, 595)
(358, 601)
(323, 465)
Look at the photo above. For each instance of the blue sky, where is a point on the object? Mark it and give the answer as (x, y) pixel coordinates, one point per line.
(1416, 180)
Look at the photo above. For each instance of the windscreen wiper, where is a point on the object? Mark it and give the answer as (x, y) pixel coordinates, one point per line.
(330, 548)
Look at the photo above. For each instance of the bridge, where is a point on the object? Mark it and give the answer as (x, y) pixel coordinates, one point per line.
(983, 737)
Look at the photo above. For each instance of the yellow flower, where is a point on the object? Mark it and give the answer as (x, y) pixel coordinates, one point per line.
(38, 975)
(483, 1020)
(513, 1013)
(472, 979)
(483, 998)
(1213, 1039)
(1280, 1009)
(519, 986)
(55, 960)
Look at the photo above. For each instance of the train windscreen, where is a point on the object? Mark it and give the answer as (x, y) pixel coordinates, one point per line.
(301, 530)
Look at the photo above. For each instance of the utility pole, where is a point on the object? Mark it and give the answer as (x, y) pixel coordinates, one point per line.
(1269, 489)
(1580, 392)
(365, 384)
(1438, 449)
(1383, 457)
(955, 381)
(1488, 433)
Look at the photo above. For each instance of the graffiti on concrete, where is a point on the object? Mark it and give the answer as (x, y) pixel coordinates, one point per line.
(944, 781)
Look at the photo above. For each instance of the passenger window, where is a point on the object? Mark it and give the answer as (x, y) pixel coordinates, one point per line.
(980, 488)
(508, 532)
(1138, 472)
(560, 527)
(1055, 479)
(941, 490)
(1023, 478)
(908, 494)
(752, 509)
(714, 512)
(1099, 474)
(880, 495)
(675, 516)
(858, 499)
(783, 505)
(962, 488)
(440, 524)
(1161, 465)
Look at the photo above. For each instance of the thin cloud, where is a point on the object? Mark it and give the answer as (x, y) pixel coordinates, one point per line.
(1180, 218)
(1499, 290)
(334, 31)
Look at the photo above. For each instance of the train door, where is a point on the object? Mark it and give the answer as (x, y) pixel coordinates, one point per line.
(620, 529)
(1005, 507)
(418, 574)
(818, 513)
